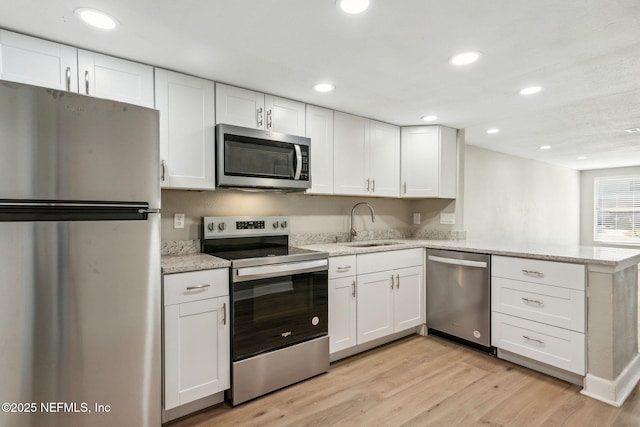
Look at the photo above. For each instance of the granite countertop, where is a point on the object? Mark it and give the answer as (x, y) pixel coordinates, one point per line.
(605, 256)
(191, 262)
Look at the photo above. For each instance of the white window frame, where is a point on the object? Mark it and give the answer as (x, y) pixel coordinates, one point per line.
(616, 211)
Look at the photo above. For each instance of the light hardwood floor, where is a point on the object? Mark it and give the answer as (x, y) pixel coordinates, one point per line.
(423, 381)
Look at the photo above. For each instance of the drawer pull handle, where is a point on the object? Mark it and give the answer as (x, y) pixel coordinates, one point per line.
(533, 273)
(533, 301)
(224, 314)
(533, 339)
(353, 289)
(342, 269)
(193, 288)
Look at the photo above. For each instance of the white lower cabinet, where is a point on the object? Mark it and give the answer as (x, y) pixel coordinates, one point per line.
(538, 311)
(384, 297)
(196, 336)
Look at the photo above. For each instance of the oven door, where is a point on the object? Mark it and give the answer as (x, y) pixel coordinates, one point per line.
(276, 312)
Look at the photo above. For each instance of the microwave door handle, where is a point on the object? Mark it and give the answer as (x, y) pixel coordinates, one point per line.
(296, 176)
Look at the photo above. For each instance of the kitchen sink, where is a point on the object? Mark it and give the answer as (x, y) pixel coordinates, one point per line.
(371, 244)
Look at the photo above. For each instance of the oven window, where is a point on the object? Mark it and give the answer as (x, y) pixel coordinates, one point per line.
(246, 157)
(276, 312)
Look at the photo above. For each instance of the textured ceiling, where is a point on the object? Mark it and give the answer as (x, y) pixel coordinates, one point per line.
(391, 63)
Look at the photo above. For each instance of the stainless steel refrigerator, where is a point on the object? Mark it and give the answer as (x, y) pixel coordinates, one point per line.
(79, 261)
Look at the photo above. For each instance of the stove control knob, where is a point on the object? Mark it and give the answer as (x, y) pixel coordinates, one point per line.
(211, 226)
(283, 224)
(221, 226)
(276, 224)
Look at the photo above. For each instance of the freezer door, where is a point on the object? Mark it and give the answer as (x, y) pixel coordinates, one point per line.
(80, 323)
(61, 146)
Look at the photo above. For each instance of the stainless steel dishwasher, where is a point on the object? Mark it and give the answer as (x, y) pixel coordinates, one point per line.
(458, 296)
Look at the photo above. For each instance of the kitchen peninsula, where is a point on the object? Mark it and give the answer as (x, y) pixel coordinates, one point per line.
(613, 362)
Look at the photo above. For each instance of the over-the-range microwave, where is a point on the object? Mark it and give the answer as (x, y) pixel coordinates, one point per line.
(253, 158)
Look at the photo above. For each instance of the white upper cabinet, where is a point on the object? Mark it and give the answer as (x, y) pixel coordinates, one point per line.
(350, 142)
(38, 62)
(114, 78)
(428, 162)
(366, 157)
(239, 107)
(247, 108)
(187, 130)
(284, 115)
(319, 128)
(384, 159)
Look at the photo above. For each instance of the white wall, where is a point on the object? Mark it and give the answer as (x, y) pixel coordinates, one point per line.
(587, 195)
(520, 200)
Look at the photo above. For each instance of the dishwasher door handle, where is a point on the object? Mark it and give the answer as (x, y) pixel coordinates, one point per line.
(453, 261)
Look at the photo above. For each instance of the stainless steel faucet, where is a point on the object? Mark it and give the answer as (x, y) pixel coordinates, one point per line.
(353, 232)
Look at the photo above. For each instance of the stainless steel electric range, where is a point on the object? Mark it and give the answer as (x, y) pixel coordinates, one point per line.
(279, 303)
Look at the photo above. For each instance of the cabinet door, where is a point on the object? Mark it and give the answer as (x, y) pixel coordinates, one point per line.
(384, 159)
(38, 62)
(319, 128)
(342, 313)
(351, 139)
(239, 107)
(107, 77)
(196, 347)
(187, 130)
(374, 305)
(420, 165)
(284, 115)
(409, 298)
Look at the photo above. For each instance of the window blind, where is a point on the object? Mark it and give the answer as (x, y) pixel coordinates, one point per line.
(617, 210)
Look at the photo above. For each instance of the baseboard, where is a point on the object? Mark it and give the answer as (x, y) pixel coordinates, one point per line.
(613, 392)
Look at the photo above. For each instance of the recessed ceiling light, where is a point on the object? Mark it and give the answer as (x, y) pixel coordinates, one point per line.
(493, 130)
(582, 158)
(465, 58)
(429, 118)
(353, 6)
(324, 87)
(530, 90)
(632, 130)
(545, 147)
(96, 19)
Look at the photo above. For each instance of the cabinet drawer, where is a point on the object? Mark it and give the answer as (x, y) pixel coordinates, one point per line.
(538, 271)
(342, 266)
(555, 306)
(390, 260)
(195, 285)
(547, 344)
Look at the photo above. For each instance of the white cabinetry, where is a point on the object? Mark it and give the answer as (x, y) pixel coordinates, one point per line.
(243, 107)
(196, 336)
(187, 130)
(107, 77)
(319, 128)
(366, 156)
(390, 290)
(538, 311)
(428, 162)
(342, 302)
(38, 62)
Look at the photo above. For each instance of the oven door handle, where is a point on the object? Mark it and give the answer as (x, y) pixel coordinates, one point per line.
(274, 270)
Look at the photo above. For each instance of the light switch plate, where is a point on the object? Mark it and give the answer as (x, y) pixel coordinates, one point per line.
(447, 218)
(416, 218)
(178, 220)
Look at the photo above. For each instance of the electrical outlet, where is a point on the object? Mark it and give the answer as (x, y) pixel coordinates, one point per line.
(416, 218)
(178, 220)
(447, 218)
